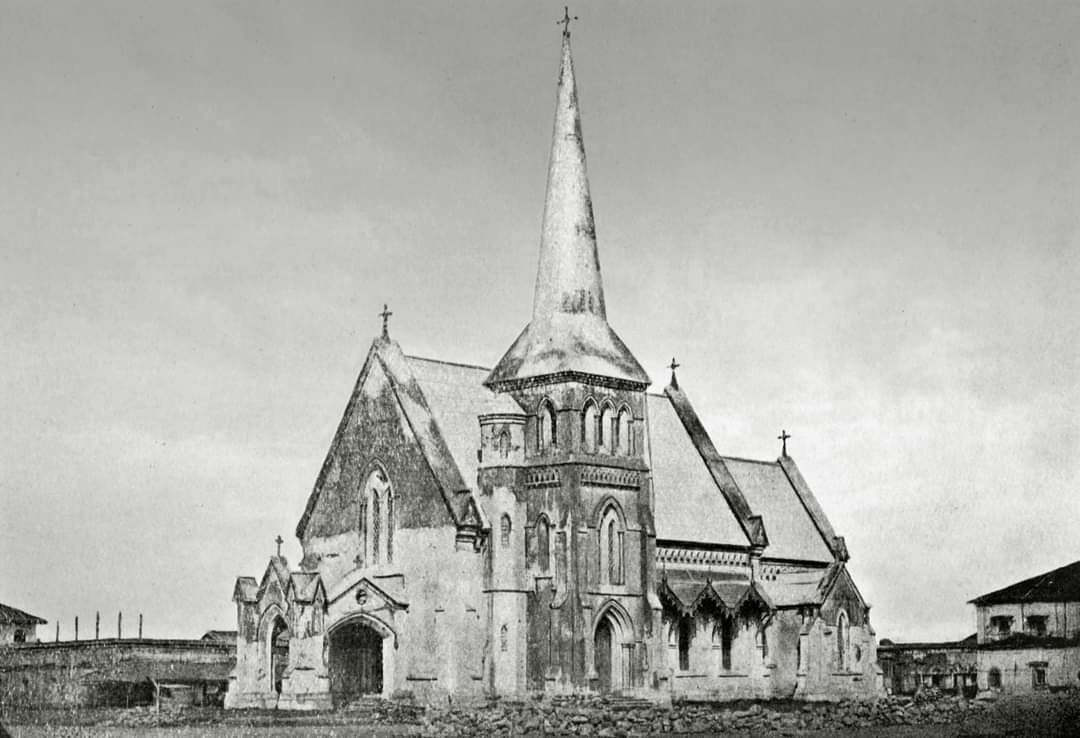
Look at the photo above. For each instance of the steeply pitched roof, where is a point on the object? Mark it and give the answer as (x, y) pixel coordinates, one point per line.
(792, 533)
(689, 504)
(13, 616)
(246, 589)
(569, 333)
(1058, 585)
(305, 586)
(457, 397)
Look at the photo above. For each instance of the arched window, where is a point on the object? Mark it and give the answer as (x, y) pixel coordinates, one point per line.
(686, 635)
(546, 435)
(762, 643)
(993, 678)
(504, 444)
(606, 430)
(389, 526)
(376, 519)
(623, 441)
(842, 636)
(727, 636)
(543, 544)
(611, 547)
(504, 534)
(589, 424)
(376, 527)
(504, 639)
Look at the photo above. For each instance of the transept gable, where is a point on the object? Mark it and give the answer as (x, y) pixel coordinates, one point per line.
(386, 386)
(838, 592)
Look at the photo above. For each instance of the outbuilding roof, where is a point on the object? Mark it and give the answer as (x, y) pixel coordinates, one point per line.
(14, 616)
(1058, 585)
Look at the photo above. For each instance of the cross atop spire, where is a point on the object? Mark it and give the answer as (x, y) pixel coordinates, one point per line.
(279, 540)
(784, 435)
(565, 22)
(385, 315)
(673, 366)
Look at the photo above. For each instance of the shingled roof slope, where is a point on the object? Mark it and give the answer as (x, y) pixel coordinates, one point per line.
(13, 616)
(1059, 585)
(689, 504)
(792, 532)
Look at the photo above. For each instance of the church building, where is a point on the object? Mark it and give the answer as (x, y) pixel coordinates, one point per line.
(549, 525)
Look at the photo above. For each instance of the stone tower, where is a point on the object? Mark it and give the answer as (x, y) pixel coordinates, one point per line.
(567, 486)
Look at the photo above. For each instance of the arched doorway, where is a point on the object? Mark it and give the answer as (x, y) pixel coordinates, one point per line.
(610, 659)
(279, 652)
(356, 664)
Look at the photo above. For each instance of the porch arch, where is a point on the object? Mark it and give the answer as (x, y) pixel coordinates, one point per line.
(359, 656)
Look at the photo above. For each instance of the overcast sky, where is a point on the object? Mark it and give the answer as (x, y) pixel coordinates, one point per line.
(856, 221)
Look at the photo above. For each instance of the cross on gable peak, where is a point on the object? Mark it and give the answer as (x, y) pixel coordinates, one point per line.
(279, 540)
(385, 315)
(783, 438)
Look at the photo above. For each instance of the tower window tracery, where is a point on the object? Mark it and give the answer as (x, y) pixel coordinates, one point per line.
(546, 431)
(589, 426)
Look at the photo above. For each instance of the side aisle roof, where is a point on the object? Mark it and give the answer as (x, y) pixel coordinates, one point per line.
(704, 497)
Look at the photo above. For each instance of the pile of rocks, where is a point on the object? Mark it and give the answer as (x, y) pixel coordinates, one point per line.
(620, 717)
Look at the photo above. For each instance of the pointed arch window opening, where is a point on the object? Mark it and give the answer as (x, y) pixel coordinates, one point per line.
(547, 427)
(504, 532)
(606, 430)
(376, 527)
(842, 638)
(543, 544)
(590, 424)
(612, 546)
(376, 521)
(624, 441)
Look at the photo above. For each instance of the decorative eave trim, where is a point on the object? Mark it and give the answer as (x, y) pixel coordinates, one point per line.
(607, 477)
(545, 477)
(517, 383)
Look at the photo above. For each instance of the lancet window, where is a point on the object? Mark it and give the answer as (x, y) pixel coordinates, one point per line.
(504, 532)
(543, 544)
(589, 424)
(376, 519)
(843, 637)
(612, 533)
(546, 436)
(623, 442)
(605, 433)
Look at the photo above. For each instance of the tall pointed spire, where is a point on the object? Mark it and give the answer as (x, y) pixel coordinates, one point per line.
(568, 277)
(569, 333)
